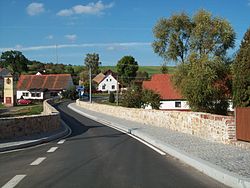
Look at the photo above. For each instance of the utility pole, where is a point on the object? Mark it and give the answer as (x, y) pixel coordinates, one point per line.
(117, 91)
(90, 85)
(56, 55)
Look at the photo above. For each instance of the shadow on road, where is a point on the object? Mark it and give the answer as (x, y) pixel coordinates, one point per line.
(77, 122)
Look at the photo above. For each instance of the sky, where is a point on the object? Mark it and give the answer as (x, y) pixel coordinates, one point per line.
(69, 29)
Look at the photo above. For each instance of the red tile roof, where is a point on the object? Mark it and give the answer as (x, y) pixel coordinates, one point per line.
(49, 81)
(161, 83)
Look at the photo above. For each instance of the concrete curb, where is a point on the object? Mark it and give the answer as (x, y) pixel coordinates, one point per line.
(63, 134)
(214, 171)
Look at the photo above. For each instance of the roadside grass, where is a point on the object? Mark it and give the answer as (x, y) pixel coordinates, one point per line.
(23, 110)
(2, 106)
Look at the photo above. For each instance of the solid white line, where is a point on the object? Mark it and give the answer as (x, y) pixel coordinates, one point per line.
(147, 144)
(140, 140)
(38, 161)
(61, 141)
(14, 181)
(52, 149)
(114, 127)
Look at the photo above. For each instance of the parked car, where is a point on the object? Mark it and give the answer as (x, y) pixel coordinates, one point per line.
(24, 101)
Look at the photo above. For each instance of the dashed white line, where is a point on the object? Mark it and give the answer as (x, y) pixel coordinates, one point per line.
(14, 181)
(52, 149)
(61, 141)
(38, 161)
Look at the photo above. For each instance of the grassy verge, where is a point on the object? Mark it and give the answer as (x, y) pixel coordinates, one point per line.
(23, 110)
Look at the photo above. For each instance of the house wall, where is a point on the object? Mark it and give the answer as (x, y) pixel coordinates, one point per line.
(20, 93)
(171, 105)
(108, 81)
(208, 126)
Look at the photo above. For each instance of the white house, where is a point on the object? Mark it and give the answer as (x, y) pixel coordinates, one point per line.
(171, 98)
(40, 87)
(108, 83)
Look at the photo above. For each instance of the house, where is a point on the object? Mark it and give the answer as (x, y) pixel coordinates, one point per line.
(3, 72)
(42, 87)
(171, 98)
(106, 81)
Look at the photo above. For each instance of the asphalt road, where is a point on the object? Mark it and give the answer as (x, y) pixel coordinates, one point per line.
(97, 156)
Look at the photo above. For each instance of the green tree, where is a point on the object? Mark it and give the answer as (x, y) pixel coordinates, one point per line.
(111, 97)
(179, 36)
(205, 84)
(132, 97)
(164, 68)
(15, 61)
(173, 37)
(151, 98)
(241, 70)
(70, 93)
(202, 74)
(92, 60)
(127, 68)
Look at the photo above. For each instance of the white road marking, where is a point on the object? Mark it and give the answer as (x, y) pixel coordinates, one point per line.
(61, 141)
(52, 149)
(140, 140)
(147, 144)
(14, 181)
(38, 161)
(119, 129)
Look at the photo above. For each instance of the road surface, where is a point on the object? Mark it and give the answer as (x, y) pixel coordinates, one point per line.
(95, 155)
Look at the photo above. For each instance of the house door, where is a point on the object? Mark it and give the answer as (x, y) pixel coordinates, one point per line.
(8, 100)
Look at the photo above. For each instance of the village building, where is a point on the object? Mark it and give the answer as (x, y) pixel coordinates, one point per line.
(171, 99)
(40, 87)
(3, 72)
(106, 82)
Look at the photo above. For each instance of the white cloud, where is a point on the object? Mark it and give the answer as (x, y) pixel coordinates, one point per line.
(35, 9)
(91, 8)
(49, 37)
(84, 45)
(72, 38)
(65, 12)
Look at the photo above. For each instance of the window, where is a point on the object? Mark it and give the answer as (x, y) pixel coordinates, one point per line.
(104, 86)
(110, 79)
(38, 94)
(113, 86)
(177, 104)
(107, 80)
(33, 94)
(25, 94)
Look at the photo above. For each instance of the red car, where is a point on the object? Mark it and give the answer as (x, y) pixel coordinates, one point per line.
(24, 101)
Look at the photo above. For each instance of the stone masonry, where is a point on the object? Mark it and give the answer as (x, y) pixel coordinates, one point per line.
(15, 127)
(208, 126)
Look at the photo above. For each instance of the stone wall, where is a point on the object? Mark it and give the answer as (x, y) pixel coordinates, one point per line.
(15, 127)
(211, 127)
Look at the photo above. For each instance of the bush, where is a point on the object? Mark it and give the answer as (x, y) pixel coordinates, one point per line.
(70, 93)
(150, 98)
(111, 97)
(137, 98)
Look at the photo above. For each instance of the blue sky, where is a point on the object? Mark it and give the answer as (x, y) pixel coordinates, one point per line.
(111, 28)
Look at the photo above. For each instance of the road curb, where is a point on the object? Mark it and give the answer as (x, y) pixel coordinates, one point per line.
(226, 177)
(63, 134)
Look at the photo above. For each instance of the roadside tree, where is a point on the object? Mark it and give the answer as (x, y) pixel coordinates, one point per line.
(241, 70)
(127, 68)
(92, 61)
(199, 45)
